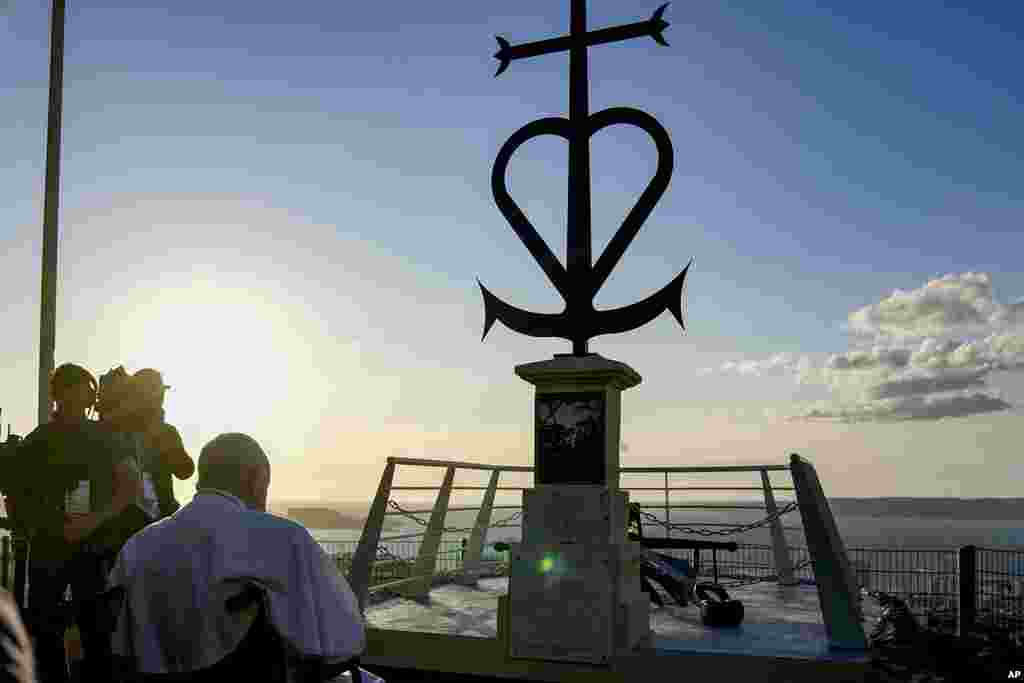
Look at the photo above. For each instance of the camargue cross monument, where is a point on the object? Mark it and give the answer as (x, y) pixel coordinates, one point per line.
(574, 588)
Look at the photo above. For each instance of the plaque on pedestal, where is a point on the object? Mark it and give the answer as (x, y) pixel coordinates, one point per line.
(578, 411)
(570, 434)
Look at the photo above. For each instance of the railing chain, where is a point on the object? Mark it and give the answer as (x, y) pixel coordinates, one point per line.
(451, 530)
(722, 532)
(762, 579)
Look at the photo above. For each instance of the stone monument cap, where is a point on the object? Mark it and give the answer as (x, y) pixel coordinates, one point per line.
(591, 369)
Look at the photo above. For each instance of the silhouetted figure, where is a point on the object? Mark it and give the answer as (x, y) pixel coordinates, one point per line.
(119, 404)
(174, 620)
(76, 482)
(162, 441)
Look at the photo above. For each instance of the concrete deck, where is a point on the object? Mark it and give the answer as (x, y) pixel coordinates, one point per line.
(780, 624)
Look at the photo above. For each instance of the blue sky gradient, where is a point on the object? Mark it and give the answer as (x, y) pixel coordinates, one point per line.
(286, 206)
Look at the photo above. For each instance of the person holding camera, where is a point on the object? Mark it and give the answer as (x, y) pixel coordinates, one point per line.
(132, 405)
(118, 406)
(75, 483)
(162, 440)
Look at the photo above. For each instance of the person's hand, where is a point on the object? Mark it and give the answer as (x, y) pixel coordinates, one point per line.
(77, 527)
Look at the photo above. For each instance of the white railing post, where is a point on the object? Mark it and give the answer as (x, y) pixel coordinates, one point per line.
(838, 593)
(471, 560)
(426, 561)
(366, 552)
(783, 565)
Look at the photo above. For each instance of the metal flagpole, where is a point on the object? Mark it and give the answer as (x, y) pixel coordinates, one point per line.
(48, 298)
(51, 210)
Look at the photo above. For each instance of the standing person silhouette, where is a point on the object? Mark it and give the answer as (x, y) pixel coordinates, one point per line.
(162, 440)
(75, 479)
(118, 405)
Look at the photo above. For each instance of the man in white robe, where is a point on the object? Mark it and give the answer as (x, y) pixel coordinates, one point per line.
(179, 572)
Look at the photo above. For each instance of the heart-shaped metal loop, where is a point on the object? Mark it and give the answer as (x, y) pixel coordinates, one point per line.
(564, 128)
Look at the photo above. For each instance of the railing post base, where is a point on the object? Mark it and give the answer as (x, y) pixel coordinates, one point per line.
(967, 572)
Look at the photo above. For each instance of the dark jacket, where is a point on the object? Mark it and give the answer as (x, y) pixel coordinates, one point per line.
(51, 461)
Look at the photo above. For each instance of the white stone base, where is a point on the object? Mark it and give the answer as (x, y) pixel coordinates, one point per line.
(575, 602)
(574, 514)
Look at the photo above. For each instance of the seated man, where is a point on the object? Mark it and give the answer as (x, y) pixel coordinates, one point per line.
(179, 572)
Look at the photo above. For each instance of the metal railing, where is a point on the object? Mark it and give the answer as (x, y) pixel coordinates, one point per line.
(928, 579)
(825, 546)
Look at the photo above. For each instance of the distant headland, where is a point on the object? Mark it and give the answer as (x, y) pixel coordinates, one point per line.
(323, 518)
(947, 508)
(327, 515)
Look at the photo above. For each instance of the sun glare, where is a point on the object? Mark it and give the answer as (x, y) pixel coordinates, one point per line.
(234, 360)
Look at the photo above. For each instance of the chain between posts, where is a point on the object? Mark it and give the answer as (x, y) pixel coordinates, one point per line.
(676, 527)
(721, 532)
(384, 554)
(451, 530)
(762, 579)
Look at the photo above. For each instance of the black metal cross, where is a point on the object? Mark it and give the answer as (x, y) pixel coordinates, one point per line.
(579, 281)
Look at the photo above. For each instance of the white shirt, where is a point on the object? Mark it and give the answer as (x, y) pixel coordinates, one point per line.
(179, 571)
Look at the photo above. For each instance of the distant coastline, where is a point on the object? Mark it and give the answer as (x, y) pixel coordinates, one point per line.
(941, 508)
(323, 517)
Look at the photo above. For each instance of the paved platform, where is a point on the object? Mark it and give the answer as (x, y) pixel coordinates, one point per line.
(778, 621)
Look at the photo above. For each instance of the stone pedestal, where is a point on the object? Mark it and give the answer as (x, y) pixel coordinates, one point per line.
(574, 587)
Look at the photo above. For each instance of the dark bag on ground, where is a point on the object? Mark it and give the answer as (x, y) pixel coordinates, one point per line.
(716, 609)
(671, 573)
(896, 625)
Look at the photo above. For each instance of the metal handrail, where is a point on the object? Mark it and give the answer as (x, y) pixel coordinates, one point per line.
(403, 536)
(826, 547)
(463, 488)
(433, 529)
(707, 506)
(702, 488)
(705, 469)
(724, 524)
(426, 462)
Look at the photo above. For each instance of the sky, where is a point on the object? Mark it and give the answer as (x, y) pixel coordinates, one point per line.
(286, 207)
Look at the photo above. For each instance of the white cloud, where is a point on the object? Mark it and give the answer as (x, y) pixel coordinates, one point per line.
(952, 304)
(927, 407)
(778, 364)
(911, 384)
(1006, 351)
(933, 351)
